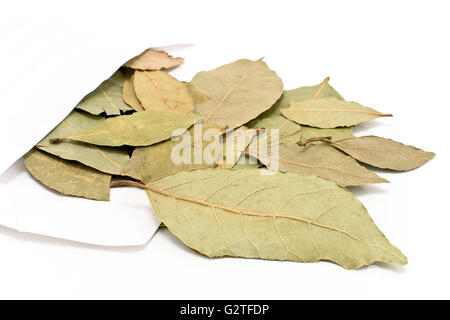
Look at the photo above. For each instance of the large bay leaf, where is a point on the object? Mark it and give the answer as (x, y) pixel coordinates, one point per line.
(159, 90)
(138, 129)
(291, 216)
(198, 97)
(107, 97)
(384, 153)
(330, 113)
(129, 95)
(321, 160)
(336, 134)
(106, 159)
(238, 92)
(67, 177)
(152, 59)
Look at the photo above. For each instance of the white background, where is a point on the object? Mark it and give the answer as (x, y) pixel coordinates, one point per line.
(392, 56)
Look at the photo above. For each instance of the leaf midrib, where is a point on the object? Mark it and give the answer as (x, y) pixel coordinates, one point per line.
(271, 215)
(95, 147)
(228, 93)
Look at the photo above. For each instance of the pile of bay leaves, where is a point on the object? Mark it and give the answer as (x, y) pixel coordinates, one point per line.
(232, 164)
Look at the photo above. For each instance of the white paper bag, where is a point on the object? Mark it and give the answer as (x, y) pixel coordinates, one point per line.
(49, 63)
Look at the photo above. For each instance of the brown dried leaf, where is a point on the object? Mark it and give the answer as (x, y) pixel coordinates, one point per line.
(152, 59)
(158, 90)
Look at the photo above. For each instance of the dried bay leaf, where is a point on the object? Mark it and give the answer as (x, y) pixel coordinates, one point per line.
(330, 113)
(237, 92)
(139, 129)
(289, 131)
(197, 96)
(321, 160)
(321, 91)
(384, 153)
(67, 177)
(105, 159)
(159, 90)
(152, 59)
(107, 97)
(292, 216)
(129, 95)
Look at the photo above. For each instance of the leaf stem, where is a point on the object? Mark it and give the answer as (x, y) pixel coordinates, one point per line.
(129, 183)
(308, 141)
(59, 140)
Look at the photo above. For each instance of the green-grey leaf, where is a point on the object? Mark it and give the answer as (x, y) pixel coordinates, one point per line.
(290, 131)
(330, 113)
(107, 97)
(105, 159)
(68, 177)
(301, 94)
(238, 92)
(384, 153)
(293, 216)
(321, 160)
(139, 129)
(129, 95)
